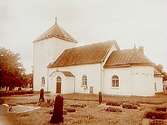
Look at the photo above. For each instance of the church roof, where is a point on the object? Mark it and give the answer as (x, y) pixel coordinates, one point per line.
(127, 57)
(67, 73)
(57, 32)
(88, 54)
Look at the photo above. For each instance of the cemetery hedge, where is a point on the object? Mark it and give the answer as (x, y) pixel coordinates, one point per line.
(10, 93)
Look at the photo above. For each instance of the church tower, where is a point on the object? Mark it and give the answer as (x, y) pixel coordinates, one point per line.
(46, 49)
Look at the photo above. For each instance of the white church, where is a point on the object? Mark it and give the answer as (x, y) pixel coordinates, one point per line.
(61, 66)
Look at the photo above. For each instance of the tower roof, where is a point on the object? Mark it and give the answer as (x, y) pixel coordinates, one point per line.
(57, 32)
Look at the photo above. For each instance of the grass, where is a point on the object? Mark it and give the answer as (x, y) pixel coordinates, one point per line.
(92, 114)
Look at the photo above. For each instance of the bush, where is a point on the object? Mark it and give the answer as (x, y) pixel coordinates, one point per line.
(78, 105)
(157, 122)
(129, 106)
(113, 103)
(163, 109)
(113, 109)
(10, 93)
(70, 109)
(155, 115)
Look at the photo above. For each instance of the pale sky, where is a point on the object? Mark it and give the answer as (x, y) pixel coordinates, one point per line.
(143, 22)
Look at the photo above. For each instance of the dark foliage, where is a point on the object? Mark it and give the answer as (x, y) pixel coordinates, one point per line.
(12, 73)
(157, 122)
(70, 109)
(113, 109)
(57, 116)
(163, 109)
(113, 103)
(156, 115)
(10, 93)
(129, 106)
(78, 105)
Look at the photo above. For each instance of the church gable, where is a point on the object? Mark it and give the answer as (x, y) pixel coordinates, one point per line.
(88, 54)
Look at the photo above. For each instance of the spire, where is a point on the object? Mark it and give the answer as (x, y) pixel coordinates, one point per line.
(134, 45)
(56, 20)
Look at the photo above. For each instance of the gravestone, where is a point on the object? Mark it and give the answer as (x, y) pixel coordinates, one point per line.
(41, 98)
(100, 97)
(57, 116)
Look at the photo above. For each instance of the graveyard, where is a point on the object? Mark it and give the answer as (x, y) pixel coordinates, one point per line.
(81, 109)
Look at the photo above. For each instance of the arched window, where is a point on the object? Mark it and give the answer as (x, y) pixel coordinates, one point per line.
(115, 81)
(58, 79)
(84, 80)
(43, 81)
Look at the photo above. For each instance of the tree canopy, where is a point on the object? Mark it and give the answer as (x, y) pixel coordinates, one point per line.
(12, 72)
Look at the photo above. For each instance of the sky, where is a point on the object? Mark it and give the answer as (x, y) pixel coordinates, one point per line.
(129, 22)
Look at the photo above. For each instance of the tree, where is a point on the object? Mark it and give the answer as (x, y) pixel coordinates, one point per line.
(29, 80)
(11, 70)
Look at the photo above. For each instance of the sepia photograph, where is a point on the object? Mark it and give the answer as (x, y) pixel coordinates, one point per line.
(83, 62)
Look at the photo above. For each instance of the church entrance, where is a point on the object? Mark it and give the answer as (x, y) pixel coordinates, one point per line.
(58, 84)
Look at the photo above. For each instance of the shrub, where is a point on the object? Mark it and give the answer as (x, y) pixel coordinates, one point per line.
(129, 106)
(157, 122)
(78, 105)
(155, 115)
(163, 109)
(70, 109)
(113, 109)
(113, 103)
(10, 93)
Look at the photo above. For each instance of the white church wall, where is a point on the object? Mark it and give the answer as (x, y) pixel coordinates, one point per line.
(124, 81)
(92, 71)
(113, 48)
(68, 85)
(143, 82)
(137, 80)
(158, 84)
(45, 52)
